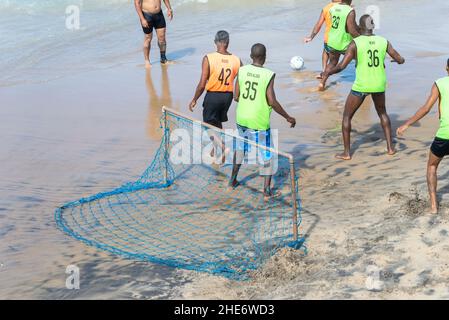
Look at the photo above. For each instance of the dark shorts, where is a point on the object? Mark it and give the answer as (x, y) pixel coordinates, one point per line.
(216, 106)
(440, 147)
(155, 21)
(329, 49)
(363, 95)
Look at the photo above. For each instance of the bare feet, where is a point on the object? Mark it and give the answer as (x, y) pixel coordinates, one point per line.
(391, 152)
(271, 195)
(233, 184)
(321, 87)
(434, 210)
(147, 64)
(343, 156)
(320, 76)
(225, 153)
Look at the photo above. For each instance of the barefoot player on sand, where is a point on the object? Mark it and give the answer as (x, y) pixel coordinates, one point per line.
(440, 147)
(151, 17)
(325, 17)
(343, 30)
(254, 92)
(369, 51)
(219, 70)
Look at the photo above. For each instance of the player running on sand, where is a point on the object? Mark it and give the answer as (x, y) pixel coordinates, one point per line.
(440, 146)
(219, 70)
(369, 51)
(325, 17)
(254, 92)
(343, 30)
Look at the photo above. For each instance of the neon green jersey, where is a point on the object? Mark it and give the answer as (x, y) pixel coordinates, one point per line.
(339, 39)
(443, 87)
(253, 110)
(370, 70)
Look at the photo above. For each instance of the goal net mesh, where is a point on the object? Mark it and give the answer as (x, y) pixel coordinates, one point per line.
(181, 211)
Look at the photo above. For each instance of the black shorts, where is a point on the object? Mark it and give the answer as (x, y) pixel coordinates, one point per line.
(155, 21)
(440, 147)
(216, 106)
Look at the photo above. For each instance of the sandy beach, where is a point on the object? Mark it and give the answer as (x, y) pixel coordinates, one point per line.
(70, 132)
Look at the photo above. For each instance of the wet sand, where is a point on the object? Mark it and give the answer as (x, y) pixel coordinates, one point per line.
(93, 131)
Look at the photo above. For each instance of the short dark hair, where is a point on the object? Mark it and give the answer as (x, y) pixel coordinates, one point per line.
(258, 51)
(366, 22)
(348, 1)
(448, 63)
(222, 36)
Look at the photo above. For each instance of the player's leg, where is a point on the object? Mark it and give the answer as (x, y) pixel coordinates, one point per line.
(239, 155)
(334, 57)
(161, 36)
(267, 192)
(212, 116)
(161, 40)
(379, 102)
(266, 161)
(432, 181)
(226, 102)
(353, 103)
(146, 49)
(148, 36)
(236, 164)
(325, 59)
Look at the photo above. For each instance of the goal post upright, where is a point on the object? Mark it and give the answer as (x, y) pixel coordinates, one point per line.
(166, 144)
(294, 198)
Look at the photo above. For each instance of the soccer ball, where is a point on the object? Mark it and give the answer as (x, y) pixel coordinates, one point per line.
(297, 63)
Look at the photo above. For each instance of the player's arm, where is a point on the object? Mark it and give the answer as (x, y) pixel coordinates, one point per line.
(394, 54)
(272, 101)
(138, 6)
(351, 25)
(316, 28)
(169, 8)
(237, 89)
(202, 84)
(422, 112)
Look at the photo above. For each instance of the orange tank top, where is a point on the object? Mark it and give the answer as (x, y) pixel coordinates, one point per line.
(328, 19)
(223, 70)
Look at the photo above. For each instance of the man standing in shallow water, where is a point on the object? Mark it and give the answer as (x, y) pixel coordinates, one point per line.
(151, 17)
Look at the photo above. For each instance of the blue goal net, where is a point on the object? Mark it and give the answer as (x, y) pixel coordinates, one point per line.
(182, 212)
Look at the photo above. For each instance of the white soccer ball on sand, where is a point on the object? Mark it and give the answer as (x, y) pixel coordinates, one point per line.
(297, 63)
